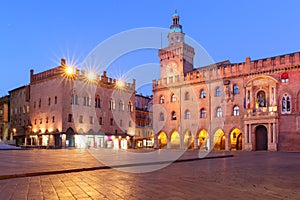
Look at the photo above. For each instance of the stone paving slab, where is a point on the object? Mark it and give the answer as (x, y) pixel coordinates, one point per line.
(35, 162)
(247, 175)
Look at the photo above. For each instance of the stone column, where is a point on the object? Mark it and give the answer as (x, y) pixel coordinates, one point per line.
(274, 133)
(196, 145)
(227, 142)
(169, 143)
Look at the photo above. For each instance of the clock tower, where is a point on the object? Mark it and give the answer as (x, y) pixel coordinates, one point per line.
(178, 57)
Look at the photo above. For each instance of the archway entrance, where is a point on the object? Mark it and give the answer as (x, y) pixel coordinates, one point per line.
(188, 140)
(175, 140)
(203, 136)
(261, 138)
(236, 139)
(162, 140)
(219, 140)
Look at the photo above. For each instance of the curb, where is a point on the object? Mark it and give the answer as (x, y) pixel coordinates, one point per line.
(32, 174)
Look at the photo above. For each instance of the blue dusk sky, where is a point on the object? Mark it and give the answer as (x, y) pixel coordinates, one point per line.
(37, 34)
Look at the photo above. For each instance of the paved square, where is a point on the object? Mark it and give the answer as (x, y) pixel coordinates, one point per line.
(247, 175)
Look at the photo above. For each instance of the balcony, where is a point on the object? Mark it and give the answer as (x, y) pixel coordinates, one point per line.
(264, 112)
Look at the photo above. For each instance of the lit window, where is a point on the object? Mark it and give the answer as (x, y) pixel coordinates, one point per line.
(236, 111)
(219, 112)
(218, 92)
(112, 104)
(74, 100)
(202, 113)
(130, 106)
(187, 114)
(161, 99)
(97, 102)
(235, 89)
(173, 98)
(202, 94)
(286, 104)
(173, 115)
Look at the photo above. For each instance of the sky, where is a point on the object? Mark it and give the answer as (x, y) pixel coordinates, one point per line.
(37, 34)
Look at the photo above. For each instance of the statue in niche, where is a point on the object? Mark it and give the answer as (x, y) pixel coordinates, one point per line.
(261, 99)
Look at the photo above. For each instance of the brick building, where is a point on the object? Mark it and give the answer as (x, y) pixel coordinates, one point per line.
(74, 108)
(19, 115)
(252, 105)
(143, 121)
(4, 118)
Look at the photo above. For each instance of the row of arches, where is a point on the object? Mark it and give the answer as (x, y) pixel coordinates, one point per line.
(201, 140)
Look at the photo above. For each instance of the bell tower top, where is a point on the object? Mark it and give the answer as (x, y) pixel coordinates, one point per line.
(178, 57)
(176, 34)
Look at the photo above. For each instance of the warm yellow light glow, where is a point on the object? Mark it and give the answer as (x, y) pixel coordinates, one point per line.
(69, 71)
(120, 84)
(91, 76)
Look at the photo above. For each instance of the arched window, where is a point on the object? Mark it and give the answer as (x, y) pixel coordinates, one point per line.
(286, 104)
(187, 96)
(86, 101)
(173, 115)
(202, 113)
(121, 105)
(218, 92)
(97, 102)
(235, 89)
(161, 117)
(112, 104)
(202, 94)
(236, 111)
(187, 114)
(74, 99)
(130, 106)
(161, 99)
(173, 98)
(219, 112)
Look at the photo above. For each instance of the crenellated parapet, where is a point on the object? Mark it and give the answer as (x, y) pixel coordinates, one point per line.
(81, 75)
(226, 69)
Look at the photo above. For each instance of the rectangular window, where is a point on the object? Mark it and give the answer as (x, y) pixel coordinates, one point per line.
(91, 120)
(70, 118)
(53, 119)
(81, 119)
(111, 121)
(100, 121)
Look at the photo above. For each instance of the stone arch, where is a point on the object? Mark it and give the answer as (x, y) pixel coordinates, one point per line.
(236, 139)
(175, 140)
(219, 140)
(203, 139)
(162, 140)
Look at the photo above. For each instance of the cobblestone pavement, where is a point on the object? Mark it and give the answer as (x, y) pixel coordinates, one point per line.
(247, 175)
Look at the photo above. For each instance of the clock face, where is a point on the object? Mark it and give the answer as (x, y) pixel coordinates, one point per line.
(172, 68)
